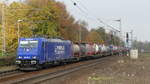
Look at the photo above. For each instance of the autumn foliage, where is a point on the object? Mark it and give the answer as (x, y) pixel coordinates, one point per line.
(46, 18)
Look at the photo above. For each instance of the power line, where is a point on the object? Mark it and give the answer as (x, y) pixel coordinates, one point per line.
(108, 25)
(77, 5)
(86, 14)
(82, 5)
(94, 17)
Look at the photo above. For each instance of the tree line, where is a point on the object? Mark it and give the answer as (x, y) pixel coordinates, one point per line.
(141, 46)
(48, 18)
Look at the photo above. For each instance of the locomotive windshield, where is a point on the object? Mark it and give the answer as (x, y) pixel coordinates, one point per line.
(28, 44)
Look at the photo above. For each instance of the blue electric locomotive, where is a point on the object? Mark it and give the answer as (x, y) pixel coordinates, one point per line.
(33, 53)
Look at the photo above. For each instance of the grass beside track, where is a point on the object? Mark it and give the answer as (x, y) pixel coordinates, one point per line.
(7, 59)
(7, 55)
(7, 68)
(147, 55)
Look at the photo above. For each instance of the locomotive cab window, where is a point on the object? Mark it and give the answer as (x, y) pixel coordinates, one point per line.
(28, 44)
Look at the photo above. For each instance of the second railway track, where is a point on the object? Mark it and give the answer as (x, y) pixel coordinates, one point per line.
(10, 73)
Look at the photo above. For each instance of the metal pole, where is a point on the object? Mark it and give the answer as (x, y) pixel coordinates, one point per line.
(80, 34)
(131, 38)
(18, 26)
(18, 31)
(3, 31)
(120, 31)
(120, 28)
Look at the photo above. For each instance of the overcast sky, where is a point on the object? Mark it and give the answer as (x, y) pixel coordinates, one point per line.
(135, 14)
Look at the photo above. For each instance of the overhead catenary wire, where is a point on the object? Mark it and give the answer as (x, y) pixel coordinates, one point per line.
(82, 5)
(108, 27)
(78, 4)
(85, 14)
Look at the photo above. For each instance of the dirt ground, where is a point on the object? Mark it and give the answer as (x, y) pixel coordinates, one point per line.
(7, 68)
(115, 70)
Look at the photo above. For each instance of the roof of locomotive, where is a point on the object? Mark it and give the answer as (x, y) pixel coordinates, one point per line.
(46, 39)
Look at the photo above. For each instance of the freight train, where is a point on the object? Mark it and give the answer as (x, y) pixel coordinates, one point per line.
(36, 53)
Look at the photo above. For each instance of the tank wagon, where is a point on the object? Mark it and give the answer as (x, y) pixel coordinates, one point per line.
(36, 53)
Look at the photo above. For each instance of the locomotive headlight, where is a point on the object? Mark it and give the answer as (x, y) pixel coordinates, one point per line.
(19, 57)
(33, 62)
(34, 57)
(18, 62)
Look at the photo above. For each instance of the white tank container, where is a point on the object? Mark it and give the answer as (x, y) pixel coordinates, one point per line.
(96, 48)
(76, 48)
(104, 49)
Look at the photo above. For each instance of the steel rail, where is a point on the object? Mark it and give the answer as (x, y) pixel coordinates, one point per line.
(51, 75)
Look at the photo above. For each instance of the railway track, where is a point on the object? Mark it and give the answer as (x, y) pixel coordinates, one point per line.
(10, 73)
(52, 73)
